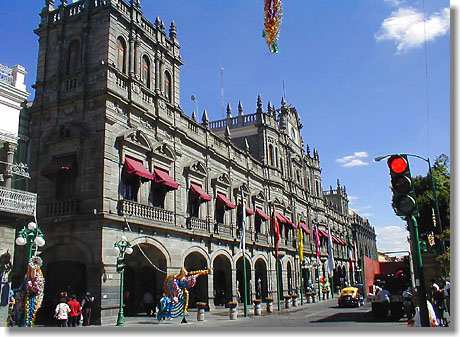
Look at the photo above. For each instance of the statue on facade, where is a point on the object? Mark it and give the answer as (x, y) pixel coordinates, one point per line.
(174, 302)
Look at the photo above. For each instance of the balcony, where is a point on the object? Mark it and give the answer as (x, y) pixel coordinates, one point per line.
(63, 207)
(223, 230)
(261, 238)
(17, 202)
(132, 208)
(197, 224)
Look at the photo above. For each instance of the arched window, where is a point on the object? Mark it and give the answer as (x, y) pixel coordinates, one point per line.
(121, 55)
(146, 71)
(168, 86)
(276, 157)
(73, 57)
(270, 154)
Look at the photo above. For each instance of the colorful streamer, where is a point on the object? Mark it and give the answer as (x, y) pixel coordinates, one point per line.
(272, 23)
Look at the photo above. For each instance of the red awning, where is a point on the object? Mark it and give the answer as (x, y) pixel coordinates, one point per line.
(198, 191)
(323, 233)
(162, 178)
(136, 167)
(344, 242)
(249, 211)
(285, 220)
(304, 227)
(262, 215)
(223, 199)
(336, 240)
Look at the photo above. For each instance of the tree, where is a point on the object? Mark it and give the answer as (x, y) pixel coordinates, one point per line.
(425, 199)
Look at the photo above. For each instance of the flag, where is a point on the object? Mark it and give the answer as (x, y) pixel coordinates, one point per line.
(276, 231)
(300, 239)
(317, 243)
(243, 225)
(330, 252)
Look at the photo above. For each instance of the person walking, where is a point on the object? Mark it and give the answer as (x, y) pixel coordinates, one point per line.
(75, 311)
(447, 294)
(87, 305)
(148, 302)
(61, 313)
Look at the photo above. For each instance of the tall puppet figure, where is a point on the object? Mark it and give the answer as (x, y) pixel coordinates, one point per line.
(34, 286)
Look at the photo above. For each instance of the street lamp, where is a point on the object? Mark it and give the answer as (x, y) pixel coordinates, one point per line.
(121, 247)
(31, 236)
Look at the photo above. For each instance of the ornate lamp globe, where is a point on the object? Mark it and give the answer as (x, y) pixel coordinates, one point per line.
(20, 241)
(31, 226)
(39, 241)
(129, 250)
(117, 250)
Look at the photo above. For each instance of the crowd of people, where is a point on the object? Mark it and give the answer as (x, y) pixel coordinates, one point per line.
(70, 312)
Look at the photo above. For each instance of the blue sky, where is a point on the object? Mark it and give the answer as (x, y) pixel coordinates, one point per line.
(355, 70)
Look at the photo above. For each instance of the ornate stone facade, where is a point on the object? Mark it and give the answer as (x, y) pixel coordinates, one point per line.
(107, 94)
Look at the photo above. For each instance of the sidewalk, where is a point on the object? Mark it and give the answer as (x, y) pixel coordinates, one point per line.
(213, 317)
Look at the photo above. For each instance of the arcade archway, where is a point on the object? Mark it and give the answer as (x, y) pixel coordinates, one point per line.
(240, 279)
(222, 280)
(261, 279)
(289, 277)
(199, 293)
(142, 278)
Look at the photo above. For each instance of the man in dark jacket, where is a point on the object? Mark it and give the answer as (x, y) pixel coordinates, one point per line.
(87, 306)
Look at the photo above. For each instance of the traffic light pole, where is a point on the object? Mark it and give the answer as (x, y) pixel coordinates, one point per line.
(420, 280)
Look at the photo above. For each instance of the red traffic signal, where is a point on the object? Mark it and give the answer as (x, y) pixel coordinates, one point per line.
(397, 164)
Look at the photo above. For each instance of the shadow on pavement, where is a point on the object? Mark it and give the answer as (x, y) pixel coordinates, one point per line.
(356, 316)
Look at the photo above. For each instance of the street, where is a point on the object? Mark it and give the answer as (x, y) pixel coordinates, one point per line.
(317, 315)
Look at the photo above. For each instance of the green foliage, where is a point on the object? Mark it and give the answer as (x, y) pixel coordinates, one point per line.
(425, 198)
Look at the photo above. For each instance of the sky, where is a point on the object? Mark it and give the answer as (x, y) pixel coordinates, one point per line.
(359, 73)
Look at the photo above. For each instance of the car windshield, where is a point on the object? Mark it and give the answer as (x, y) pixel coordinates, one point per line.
(348, 291)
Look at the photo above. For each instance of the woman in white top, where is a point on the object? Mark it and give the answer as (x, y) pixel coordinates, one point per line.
(62, 313)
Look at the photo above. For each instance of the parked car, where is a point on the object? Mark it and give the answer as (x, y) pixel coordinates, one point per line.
(349, 297)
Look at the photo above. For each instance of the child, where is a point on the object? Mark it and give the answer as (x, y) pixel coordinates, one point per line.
(62, 313)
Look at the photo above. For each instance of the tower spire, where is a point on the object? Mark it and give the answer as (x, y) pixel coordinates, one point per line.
(240, 108)
(259, 104)
(204, 118)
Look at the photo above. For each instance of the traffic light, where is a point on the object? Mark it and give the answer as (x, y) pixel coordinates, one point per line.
(120, 264)
(401, 184)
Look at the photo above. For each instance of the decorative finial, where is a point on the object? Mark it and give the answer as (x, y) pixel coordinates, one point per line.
(338, 184)
(246, 144)
(172, 30)
(240, 108)
(64, 2)
(49, 4)
(229, 110)
(227, 132)
(308, 150)
(269, 107)
(259, 104)
(204, 118)
(194, 116)
(136, 3)
(157, 22)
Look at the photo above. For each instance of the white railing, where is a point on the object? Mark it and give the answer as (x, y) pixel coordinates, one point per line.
(132, 208)
(6, 74)
(197, 224)
(17, 202)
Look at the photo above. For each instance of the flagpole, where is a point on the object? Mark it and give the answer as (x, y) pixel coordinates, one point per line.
(301, 283)
(300, 237)
(243, 244)
(277, 281)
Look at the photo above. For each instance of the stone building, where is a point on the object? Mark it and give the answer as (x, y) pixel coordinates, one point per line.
(113, 153)
(365, 240)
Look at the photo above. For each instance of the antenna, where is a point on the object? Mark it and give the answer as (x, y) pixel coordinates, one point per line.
(222, 97)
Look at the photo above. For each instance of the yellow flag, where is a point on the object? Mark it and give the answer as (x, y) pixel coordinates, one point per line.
(300, 245)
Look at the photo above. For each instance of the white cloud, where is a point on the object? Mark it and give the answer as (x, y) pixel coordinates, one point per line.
(394, 3)
(406, 27)
(391, 238)
(353, 160)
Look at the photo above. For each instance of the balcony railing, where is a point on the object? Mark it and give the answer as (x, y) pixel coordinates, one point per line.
(63, 207)
(223, 230)
(263, 238)
(198, 224)
(17, 202)
(132, 208)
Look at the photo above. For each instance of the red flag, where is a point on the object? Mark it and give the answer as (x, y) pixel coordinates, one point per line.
(317, 243)
(276, 231)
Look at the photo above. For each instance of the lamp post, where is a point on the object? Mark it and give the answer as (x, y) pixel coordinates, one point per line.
(31, 236)
(121, 247)
(433, 189)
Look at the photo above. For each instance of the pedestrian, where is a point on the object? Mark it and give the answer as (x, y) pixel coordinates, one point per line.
(61, 313)
(75, 311)
(447, 294)
(431, 316)
(87, 305)
(439, 308)
(148, 302)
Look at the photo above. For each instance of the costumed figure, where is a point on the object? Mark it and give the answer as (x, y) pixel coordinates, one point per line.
(176, 287)
(34, 286)
(5, 287)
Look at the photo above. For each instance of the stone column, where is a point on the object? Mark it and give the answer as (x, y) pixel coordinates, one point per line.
(157, 72)
(234, 286)
(252, 291)
(211, 290)
(131, 55)
(10, 148)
